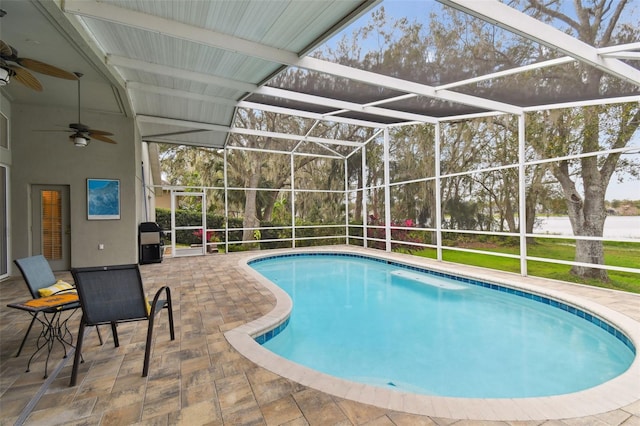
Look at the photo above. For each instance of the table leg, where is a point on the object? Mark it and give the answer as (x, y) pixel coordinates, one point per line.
(54, 328)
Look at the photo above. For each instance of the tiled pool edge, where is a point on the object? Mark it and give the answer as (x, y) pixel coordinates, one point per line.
(614, 394)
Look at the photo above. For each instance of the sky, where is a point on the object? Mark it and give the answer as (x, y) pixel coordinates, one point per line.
(628, 190)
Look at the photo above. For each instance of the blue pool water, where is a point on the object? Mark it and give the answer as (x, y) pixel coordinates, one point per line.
(382, 324)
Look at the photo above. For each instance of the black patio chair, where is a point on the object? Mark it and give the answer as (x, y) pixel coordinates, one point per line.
(38, 275)
(113, 294)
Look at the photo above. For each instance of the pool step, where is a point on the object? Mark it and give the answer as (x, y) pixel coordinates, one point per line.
(431, 280)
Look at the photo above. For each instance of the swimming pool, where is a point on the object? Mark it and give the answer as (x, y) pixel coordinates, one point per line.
(618, 309)
(384, 324)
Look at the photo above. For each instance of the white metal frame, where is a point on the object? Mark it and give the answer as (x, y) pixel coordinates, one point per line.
(607, 59)
(174, 228)
(437, 177)
(495, 12)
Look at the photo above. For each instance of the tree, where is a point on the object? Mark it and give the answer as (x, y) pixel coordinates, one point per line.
(459, 47)
(261, 169)
(590, 129)
(251, 164)
(412, 152)
(188, 166)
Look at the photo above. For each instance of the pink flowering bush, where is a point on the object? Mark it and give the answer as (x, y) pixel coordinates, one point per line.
(211, 236)
(396, 233)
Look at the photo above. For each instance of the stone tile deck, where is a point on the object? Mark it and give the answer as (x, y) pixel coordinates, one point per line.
(200, 379)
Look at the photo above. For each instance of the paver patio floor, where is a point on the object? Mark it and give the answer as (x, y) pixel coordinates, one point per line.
(197, 379)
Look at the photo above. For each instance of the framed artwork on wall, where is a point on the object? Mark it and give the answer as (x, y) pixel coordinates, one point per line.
(103, 199)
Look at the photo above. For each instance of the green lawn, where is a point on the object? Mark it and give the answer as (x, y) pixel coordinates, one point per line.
(618, 254)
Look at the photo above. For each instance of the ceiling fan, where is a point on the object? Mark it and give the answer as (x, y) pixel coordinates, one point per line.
(81, 133)
(19, 70)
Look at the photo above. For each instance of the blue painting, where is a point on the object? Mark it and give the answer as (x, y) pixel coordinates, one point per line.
(103, 199)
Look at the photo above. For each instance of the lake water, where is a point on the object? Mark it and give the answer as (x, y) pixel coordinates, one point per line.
(614, 226)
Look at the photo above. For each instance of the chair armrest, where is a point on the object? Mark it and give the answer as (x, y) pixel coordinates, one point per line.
(157, 304)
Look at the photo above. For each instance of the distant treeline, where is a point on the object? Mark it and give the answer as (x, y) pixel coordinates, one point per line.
(623, 207)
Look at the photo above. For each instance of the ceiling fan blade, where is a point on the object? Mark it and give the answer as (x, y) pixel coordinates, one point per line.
(47, 69)
(83, 128)
(24, 77)
(56, 130)
(99, 132)
(5, 50)
(100, 137)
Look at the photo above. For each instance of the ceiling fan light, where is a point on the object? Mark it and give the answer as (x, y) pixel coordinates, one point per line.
(4, 77)
(80, 141)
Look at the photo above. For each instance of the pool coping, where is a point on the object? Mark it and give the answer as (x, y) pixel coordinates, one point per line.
(611, 395)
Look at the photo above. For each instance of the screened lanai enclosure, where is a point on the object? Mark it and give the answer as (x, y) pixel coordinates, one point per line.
(446, 129)
(404, 189)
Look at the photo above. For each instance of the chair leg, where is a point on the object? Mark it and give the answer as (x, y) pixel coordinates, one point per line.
(147, 348)
(151, 319)
(27, 334)
(170, 309)
(114, 331)
(77, 356)
(99, 335)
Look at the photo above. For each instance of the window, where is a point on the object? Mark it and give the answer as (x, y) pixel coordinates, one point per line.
(51, 224)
